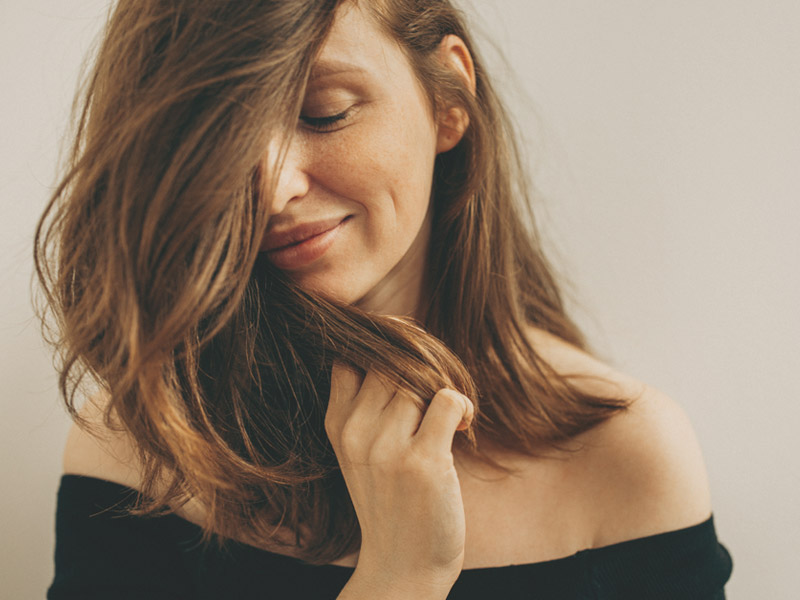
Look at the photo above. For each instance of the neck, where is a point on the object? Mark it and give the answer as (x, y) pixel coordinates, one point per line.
(400, 293)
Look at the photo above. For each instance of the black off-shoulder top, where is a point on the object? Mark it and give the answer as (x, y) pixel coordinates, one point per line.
(102, 553)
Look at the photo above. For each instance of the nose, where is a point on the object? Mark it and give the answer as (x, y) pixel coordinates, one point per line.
(293, 177)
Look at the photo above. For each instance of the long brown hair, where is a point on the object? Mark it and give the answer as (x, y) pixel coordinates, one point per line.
(214, 361)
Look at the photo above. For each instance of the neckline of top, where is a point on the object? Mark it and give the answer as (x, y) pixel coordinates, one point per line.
(633, 543)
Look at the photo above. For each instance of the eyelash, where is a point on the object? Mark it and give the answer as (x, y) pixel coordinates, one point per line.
(325, 124)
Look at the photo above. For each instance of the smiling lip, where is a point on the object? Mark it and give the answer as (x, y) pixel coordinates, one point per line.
(301, 245)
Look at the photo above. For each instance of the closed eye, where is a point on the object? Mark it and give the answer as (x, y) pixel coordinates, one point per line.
(328, 123)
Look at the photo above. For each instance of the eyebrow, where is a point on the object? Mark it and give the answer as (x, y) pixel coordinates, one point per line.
(328, 68)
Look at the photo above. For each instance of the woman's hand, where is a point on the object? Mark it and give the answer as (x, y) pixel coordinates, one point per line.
(398, 467)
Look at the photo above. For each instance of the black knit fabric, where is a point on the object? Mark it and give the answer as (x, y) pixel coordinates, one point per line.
(102, 553)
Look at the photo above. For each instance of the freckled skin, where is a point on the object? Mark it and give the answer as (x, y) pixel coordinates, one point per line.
(635, 475)
(376, 165)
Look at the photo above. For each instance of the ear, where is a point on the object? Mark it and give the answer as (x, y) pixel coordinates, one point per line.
(454, 120)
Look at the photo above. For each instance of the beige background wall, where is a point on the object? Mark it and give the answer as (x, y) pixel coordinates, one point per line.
(665, 137)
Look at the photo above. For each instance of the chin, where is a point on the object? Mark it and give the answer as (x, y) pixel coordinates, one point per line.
(334, 288)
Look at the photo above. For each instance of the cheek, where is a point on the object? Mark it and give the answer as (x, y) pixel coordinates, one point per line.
(383, 164)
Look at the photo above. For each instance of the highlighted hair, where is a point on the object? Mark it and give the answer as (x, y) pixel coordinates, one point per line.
(212, 359)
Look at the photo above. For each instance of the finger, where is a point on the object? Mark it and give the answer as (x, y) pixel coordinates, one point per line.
(446, 411)
(355, 403)
(373, 396)
(402, 416)
(345, 383)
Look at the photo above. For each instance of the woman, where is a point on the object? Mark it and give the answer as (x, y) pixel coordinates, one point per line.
(291, 252)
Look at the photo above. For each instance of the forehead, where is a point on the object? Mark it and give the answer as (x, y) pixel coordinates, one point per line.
(357, 45)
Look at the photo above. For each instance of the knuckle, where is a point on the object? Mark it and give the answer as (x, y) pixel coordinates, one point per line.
(331, 427)
(406, 396)
(450, 399)
(351, 438)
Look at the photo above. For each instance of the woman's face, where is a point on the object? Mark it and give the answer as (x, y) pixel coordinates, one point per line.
(350, 216)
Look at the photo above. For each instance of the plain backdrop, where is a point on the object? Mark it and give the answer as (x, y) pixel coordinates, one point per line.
(664, 137)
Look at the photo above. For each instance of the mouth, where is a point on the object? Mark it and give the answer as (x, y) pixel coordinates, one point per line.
(302, 245)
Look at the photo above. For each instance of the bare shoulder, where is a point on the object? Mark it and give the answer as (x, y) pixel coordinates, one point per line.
(643, 468)
(101, 451)
(109, 453)
(648, 472)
